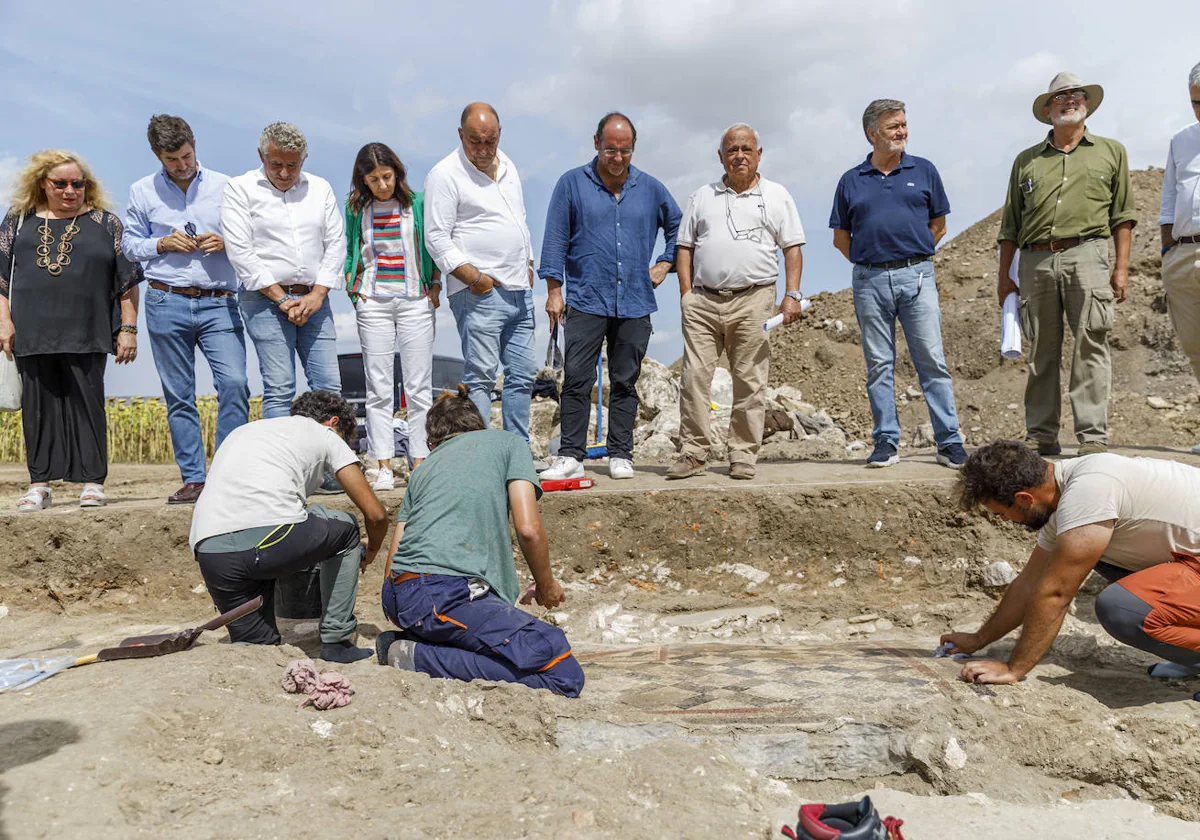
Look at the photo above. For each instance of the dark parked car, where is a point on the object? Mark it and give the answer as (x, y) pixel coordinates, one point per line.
(447, 373)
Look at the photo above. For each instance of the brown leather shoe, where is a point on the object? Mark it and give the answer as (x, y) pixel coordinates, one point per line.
(741, 470)
(686, 467)
(187, 494)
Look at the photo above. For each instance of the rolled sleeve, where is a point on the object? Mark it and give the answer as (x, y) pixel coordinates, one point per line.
(1122, 209)
(331, 272)
(669, 217)
(441, 211)
(239, 240)
(1010, 219)
(1166, 208)
(136, 241)
(558, 233)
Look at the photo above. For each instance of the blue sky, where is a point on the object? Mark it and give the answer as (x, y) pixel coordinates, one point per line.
(88, 76)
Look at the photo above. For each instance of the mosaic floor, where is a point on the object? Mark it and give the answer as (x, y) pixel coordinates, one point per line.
(712, 683)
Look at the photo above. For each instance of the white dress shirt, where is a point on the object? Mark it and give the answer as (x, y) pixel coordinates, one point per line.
(1181, 184)
(469, 218)
(736, 237)
(293, 237)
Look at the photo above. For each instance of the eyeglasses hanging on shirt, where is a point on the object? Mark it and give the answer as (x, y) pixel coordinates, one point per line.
(754, 233)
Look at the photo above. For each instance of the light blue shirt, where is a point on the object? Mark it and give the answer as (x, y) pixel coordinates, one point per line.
(156, 208)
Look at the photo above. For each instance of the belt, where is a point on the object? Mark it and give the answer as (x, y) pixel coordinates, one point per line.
(1057, 245)
(190, 291)
(401, 577)
(296, 289)
(904, 263)
(1189, 240)
(727, 292)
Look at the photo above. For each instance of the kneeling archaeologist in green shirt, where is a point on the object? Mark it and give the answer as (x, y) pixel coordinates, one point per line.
(452, 585)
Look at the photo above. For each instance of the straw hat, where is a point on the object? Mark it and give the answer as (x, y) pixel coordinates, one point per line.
(1067, 81)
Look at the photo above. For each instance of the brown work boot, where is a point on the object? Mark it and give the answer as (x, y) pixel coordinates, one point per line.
(187, 494)
(1092, 447)
(741, 470)
(686, 467)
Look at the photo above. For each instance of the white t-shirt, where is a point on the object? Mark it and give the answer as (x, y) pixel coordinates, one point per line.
(263, 474)
(736, 237)
(1155, 502)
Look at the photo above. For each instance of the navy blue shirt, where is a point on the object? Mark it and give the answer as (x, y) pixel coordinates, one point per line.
(888, 215)
(600, 245)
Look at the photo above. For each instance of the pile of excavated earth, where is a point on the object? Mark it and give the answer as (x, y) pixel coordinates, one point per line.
(748, 646)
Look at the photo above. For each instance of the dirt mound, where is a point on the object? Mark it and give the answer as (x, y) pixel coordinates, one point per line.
(823, 356)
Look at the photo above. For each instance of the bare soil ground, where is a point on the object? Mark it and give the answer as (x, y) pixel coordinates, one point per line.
(815, 570)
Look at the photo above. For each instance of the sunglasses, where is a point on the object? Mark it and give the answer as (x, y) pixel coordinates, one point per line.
(1074, 95)
(78, 183)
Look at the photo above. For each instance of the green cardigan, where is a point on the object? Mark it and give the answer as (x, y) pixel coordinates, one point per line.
(425, 264)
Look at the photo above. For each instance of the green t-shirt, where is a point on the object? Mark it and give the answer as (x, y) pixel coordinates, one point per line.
(455, 511)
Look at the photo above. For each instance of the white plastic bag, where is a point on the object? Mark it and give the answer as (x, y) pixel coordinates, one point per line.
(10, 384)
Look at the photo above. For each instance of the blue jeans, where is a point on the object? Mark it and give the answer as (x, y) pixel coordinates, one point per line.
(497, 329)
(178, 325)
(481, 639)
(277, 341)
(910, 294)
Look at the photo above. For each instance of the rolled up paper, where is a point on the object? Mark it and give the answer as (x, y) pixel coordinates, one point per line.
(775, 320)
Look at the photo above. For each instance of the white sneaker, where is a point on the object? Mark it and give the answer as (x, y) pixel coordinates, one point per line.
(620, 468)
(386, 480)
(562, 467)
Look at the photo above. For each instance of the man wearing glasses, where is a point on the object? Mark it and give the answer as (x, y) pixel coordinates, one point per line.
(173, 227)
(728, 264)
(889, 213)
(1180, 222)
(1067, 195)
(601, 226)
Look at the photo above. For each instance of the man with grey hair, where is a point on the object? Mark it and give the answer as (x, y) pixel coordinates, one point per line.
(728, 264)
(1179, 218)
(284, 236)
(889, 213)
(476, 232)
(1067, 195)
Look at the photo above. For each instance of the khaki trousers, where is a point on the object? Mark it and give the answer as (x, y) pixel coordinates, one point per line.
(1181, 282)
(1073, 283)
(734, 324)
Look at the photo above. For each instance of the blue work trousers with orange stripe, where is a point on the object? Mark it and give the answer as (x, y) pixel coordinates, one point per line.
(482, 639)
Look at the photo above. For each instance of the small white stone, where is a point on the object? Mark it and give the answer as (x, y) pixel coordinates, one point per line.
(3, 611)
(912, 561)
(199, 589)
(956, 758)
(878, 524)
(1157, 402)
(999, 574)
(841, 581)
(323, 728)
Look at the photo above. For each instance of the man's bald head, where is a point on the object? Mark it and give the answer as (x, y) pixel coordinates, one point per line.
(478, 114)
(479, 131)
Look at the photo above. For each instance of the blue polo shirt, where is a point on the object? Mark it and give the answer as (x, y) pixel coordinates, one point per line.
(599, 246)
(888, 215)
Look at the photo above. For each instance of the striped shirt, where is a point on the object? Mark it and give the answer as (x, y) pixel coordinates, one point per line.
(385, 249)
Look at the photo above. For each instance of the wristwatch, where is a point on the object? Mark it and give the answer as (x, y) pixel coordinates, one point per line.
(794, 295)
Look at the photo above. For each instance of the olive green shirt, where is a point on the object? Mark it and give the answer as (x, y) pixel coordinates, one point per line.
(1052, 194)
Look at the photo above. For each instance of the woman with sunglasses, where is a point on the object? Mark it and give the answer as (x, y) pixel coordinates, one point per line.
(68, 298)
(394, 286)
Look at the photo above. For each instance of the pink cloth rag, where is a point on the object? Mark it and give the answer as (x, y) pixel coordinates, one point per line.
(330, 690)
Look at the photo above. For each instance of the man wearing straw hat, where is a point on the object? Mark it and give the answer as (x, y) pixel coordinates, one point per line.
(1067, 196)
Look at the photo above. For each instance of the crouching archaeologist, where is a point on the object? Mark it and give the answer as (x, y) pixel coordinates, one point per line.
(1135, 521)
(252, 524)
(452, 585)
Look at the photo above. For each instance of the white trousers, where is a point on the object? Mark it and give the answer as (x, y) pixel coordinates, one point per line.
(382, 322)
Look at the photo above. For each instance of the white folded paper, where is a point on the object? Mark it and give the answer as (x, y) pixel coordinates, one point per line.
(1010, 318)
